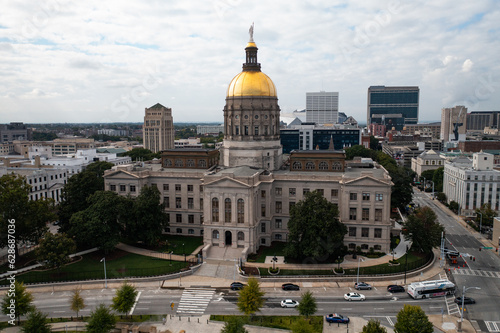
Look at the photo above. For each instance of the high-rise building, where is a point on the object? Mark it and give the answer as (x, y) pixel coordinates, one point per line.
(393, 106)
(322, 107)
(14, 131)
(453, 123)
(158, 130)
(478, 120)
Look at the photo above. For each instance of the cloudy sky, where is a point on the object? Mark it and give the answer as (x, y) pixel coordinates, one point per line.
(103, 61)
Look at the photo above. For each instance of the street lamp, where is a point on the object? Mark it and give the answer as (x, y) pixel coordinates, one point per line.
(171, 257)
(406, 262)
(357, 277)
(432, 189)
(480, 223)
(184, 252)
(463, 298)
(105, 277)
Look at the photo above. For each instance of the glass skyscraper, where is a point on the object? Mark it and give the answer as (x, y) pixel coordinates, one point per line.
(393, 106)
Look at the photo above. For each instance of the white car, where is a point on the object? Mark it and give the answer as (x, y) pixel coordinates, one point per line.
(289, 303)
(354, 297)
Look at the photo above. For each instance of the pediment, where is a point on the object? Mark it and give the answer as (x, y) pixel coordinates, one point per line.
(365, 181)
(228, 183)
(121, 174)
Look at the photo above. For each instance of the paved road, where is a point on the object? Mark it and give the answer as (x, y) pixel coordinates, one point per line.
(476, 268)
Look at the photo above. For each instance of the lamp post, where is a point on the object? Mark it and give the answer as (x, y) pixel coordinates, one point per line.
(432, 189)
(463, 298)
(406, 262)
(480, 223)
(184, 252)
(105, 277)
(357, 277)
(171, 257)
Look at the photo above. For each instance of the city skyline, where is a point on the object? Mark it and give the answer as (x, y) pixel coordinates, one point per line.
(96, 62)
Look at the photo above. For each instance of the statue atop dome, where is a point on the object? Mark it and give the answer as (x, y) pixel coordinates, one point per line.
(250, 31)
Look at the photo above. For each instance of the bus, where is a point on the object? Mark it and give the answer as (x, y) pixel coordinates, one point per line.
(433, 288)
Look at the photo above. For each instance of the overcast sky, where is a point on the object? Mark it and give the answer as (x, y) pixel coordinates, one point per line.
(106, 61)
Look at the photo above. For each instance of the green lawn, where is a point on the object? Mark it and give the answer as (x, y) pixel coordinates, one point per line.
(118, 264)
(264, 272)
(173, 243)
(276, 248)
(283, 322)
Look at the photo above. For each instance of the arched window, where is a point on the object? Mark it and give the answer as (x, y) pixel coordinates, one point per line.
(190, 231)
(241, 236)
(364, 246)
(241, 211)
(377, 247)
(215, 210)
(202, 163)
(190, 163)
(215, 234)
(179, 163)
(337, 166)
(323, 165)
(297, 165)
(352, 246)
(168, 163)
(227, 210)
(310, 166)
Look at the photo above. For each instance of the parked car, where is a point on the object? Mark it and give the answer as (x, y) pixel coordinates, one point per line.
(56, 222)
(289, 303)
(362, 285)
(336, 318)
(290, 286)
(467, 300)
(354, 297)
(394, 288)
(237, 285)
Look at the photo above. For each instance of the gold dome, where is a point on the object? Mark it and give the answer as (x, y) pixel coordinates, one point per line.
(251, 83)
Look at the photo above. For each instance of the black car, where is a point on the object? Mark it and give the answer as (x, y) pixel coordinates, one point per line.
(237, 285)
(467, 300)
(393, 288)
(290, 286)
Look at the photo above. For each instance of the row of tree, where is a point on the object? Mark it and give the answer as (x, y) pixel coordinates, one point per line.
(101, 319)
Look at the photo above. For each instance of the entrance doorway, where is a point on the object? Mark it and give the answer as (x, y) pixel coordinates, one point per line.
(229, 238)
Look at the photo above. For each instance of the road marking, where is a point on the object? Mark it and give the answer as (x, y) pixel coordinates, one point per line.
(390, 320)
(492, 326)
(195, 300)
(378, 308)
(346, 309)
(135, 303)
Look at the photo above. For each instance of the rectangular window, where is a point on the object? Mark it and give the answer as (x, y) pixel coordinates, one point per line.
(353, 196)
(178, 203)
(256, 130)
(165, 187)
(365, 214)
(352, 214)
(263, 194)
(190, 203)
(123, 188)
(201, 203)
(378, 233)
(290, 205)
(335, 193)
(166, 202)
(177, 187)
(263, 227)
(246, 130)
(190, 218)
(321, 191)
(178, 218)
(306, 190)
(278, 191)
(237, 130)
(190, 188)
(278, 224)
(364, 232)
(352, 231)
(378, 214)
(111, 187)
(132, 188)
(366, 196)
(263, 210)
(291, 191)
(379, 197)
(278, 207)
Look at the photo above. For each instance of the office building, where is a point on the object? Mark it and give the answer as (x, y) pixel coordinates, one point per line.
(453, 123)
(393, 106)
(214, 130)
(158, 130)
(478, 120)
(322, 107)
(14, 131)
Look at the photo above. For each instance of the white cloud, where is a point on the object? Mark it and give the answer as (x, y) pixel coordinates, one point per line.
(73, 61)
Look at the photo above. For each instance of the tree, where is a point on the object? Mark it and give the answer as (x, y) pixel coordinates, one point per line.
(101, 224)
(488, 215)
(150, 217)
(54, 250)
(437, 178)
(142, 154)
(234, 325)
(302, 326)
(441, 197)
(423, 229)
(454, 206)
(358, 151)
(20, 297)
(36, 322)
(402, 191)
(412, 319)
(125, 298)
(77, 302)
(374, 143)
(101, 320)
(20, 217)
(307, 304)
(78, 188)
(314, 229)
(428, 175)
(373, 326)
(250, 298)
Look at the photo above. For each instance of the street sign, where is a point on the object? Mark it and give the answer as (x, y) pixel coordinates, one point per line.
(172, 305)
(487, 248)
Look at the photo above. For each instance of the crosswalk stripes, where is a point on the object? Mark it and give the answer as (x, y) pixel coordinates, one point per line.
(451, 306)
(194, 301)
(466, 271)
(493, 326)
